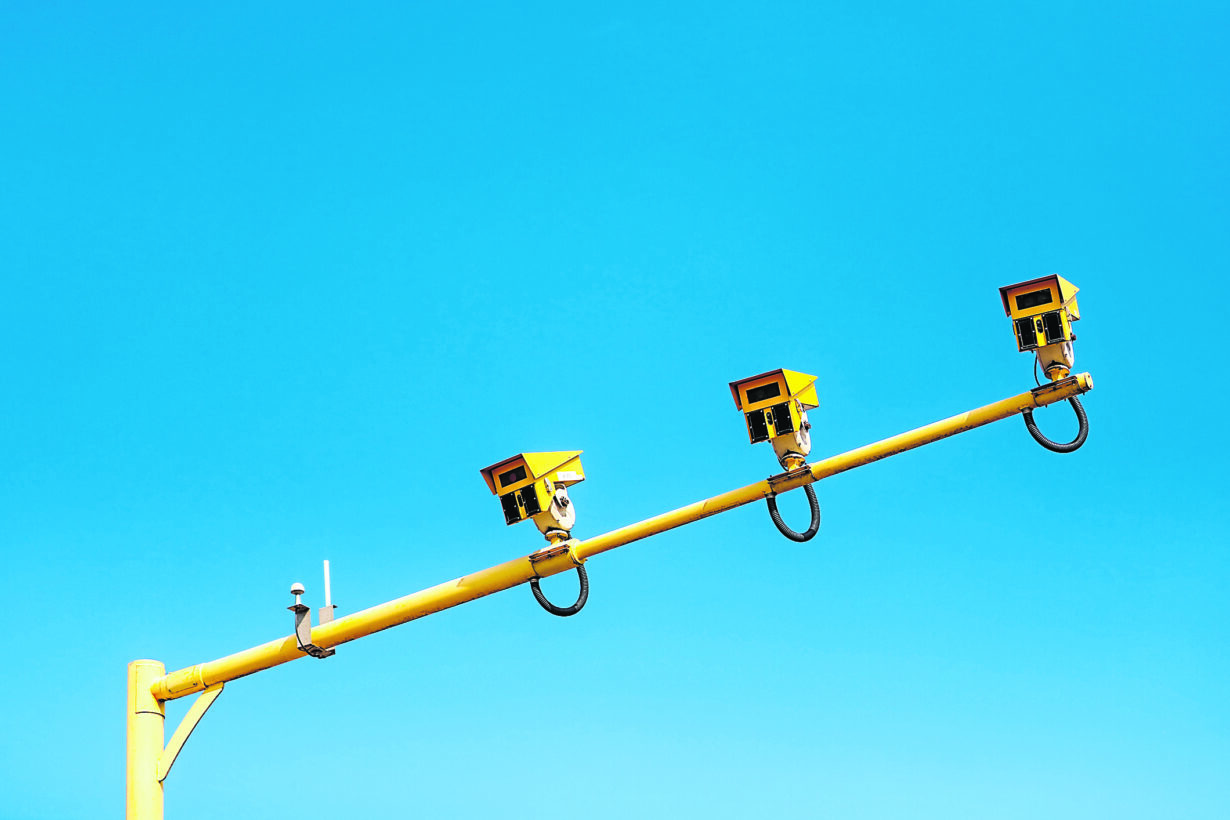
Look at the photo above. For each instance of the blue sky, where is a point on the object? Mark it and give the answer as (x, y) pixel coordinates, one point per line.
(279, 281)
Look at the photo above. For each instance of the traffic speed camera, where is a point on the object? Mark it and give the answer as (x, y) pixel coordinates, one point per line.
(534, 486)
(1042, 313)
(775, 406)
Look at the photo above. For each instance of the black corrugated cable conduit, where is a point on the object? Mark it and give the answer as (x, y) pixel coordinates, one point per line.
(1055, 446)
(563, 611)
(811, 531)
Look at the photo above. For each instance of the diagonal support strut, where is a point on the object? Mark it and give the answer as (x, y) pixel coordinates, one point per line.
(197, 711)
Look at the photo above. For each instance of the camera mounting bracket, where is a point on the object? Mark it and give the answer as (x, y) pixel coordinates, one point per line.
(303, 631)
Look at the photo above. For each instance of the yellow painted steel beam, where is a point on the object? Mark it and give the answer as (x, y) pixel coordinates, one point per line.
(1039, 397)
(146, 724)
(518, 571)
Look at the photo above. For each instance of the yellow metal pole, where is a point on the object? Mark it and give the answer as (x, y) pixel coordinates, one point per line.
(146, 726)
(1039, 397)
(348, 628)
(196, 678)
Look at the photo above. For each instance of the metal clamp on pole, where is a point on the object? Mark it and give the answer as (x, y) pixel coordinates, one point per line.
(582, 597)
(303, 625)
(1055, 446)
(788, 478)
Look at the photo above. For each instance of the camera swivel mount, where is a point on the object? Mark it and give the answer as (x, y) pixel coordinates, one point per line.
(560, 547)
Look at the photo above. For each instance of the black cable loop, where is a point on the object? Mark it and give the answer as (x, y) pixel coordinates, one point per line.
(1055, 446)
(811, 531)
(563, 611)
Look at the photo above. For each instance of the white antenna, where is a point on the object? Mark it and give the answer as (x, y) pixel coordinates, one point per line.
(328, 590)
(326, 611)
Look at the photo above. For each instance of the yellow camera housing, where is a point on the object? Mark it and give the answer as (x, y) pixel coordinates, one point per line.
(526, 482)
(773, 403)
(1042, 311)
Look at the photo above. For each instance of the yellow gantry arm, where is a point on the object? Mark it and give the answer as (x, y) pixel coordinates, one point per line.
(518, 571)
(148, 762)
(1039, 397)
